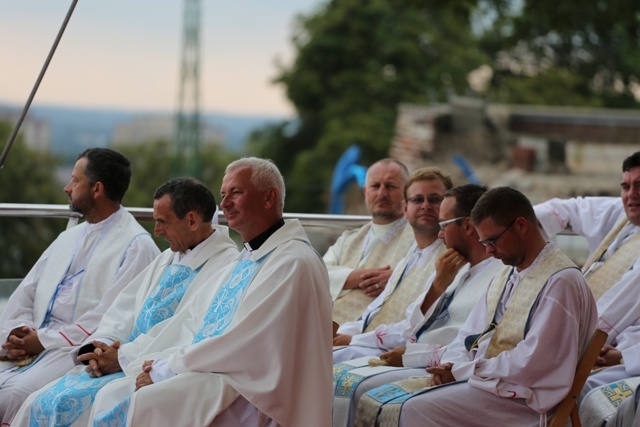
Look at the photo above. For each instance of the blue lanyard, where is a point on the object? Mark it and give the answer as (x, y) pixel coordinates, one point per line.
(47, 317)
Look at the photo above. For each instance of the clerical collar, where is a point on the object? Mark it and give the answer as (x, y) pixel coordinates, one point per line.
(255, 243)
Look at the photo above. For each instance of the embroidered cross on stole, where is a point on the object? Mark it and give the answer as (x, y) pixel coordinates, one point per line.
(398, 238)
(601, 278)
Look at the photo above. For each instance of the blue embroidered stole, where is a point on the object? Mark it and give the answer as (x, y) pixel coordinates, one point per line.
(226, 302)
(218, 317)
(164, 300)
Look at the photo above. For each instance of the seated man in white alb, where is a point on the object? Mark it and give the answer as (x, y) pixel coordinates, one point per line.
(183, 210)
(462, 275)
(611, 226)
(361, 261)
(423, 195)
(514, 359)
(275, 299)
(62, 299)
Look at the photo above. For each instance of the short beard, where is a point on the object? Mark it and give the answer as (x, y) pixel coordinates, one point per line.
(387, 216)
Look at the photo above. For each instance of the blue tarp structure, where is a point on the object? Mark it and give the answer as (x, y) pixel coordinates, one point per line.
(462, 163)
(346, 171)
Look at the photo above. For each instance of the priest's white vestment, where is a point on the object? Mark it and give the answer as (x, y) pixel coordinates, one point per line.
(65, 295)
(425, 336)
(518, 386)
(273, 349)
(169, 284)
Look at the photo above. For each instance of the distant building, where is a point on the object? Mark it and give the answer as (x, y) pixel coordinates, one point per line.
(544, 151)
(35, 131)
(159, 127)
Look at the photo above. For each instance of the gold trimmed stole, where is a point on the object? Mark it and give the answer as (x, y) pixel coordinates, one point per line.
(511, 329)
(388, 251)
(602, 278)
(407, 288)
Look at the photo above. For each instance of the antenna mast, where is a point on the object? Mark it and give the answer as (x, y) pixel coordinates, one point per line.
(188, 115)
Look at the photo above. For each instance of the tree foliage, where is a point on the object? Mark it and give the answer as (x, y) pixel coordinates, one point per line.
(356, 61)
(569, 52)
(27, 177)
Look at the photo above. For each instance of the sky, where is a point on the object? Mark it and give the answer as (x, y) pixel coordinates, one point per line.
(125, 53)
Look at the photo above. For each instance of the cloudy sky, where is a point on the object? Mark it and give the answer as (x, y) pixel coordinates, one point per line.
(125, 53)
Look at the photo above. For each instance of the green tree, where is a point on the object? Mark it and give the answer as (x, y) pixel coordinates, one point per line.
(355, 62)
(28, 176)
(565, 53)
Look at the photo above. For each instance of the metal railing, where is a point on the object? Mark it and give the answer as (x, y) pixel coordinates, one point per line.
(146, 214)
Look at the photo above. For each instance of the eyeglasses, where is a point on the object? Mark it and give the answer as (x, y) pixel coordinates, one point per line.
(443, 224)
(419, 200)
(492, 242)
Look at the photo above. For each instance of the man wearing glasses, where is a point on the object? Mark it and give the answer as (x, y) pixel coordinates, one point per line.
(514, 359)
(424, 193)
(432, 321)
(361, 261)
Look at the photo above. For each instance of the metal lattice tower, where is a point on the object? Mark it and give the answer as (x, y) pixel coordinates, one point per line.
(188, 114)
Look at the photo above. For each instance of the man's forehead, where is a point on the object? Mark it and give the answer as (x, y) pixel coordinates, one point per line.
(486, 223)
(448, 204)
(432, 186)
(386, 175)
(632, 175)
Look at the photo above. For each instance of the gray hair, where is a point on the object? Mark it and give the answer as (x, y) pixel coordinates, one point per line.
(264, 174)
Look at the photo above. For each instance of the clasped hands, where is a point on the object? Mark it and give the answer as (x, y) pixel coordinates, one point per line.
(609, 356)
(103, 360)
(22, 342)
(441, 374)
(371, 280)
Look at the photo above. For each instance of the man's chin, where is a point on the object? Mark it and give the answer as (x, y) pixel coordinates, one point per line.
(385, 216)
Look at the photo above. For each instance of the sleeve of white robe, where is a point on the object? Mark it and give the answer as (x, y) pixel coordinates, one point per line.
(19, 308)
(456, 353)
(337, 274)
(138, 255)
(631, 359)
(540, 368)
(392, 335)
(417, 354)
(118, 320)
(591, 217)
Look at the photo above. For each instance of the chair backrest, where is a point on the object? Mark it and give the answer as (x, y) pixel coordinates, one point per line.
(568, 406)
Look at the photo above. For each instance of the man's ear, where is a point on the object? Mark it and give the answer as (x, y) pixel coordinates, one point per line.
(469, 228)
(98, 190)
(194, 219)
(271, 197)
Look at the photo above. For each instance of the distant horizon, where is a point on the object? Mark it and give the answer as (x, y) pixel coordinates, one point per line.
(126, 55)
(133, 110)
